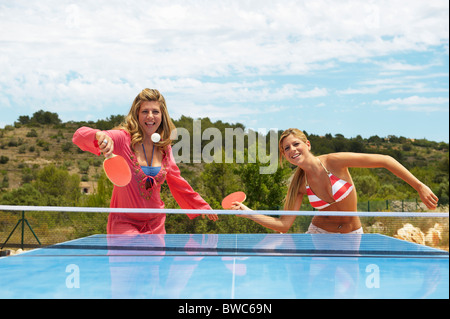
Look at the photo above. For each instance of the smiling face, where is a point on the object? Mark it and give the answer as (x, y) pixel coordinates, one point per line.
(294, 146)
(295, 149)
(150, 117)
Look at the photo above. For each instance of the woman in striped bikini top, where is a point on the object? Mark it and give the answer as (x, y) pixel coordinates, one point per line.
(331, 193)
(340, 189)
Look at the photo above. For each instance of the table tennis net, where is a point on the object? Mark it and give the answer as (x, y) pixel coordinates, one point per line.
(28, 227)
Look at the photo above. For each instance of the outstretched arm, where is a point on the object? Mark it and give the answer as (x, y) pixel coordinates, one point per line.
(388, 162)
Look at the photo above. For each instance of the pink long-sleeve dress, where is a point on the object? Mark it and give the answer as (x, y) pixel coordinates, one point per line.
(135, 194)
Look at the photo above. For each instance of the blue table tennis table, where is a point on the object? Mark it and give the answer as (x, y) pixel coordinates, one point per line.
(228, 266)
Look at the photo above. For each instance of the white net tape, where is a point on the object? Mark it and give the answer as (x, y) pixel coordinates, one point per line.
(219, 212)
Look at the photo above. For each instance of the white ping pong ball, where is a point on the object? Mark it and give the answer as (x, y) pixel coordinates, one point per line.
(156, 137)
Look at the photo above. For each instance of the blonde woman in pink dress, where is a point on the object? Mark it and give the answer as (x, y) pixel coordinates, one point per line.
(151, 164)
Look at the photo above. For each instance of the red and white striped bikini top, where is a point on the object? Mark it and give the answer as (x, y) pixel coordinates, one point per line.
(339, 187)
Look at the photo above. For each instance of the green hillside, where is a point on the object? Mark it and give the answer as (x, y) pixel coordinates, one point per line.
(39, 165)
(30, 145)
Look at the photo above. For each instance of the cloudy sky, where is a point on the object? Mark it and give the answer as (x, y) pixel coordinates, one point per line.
(341, 67)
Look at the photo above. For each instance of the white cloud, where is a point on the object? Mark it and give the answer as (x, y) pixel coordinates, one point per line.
(413, 100)
(212, 38)
(401, 66)
(218, 57)
(416, 104)
(415, 108)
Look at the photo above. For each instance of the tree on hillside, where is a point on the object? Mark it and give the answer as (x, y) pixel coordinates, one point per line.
(45, 117)
(110, 122)
(40, 117)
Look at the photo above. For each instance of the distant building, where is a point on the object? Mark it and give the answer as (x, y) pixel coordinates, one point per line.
(87, 188)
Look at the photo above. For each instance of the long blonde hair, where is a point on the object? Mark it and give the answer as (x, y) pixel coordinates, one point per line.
(296, 180)
(131, 123)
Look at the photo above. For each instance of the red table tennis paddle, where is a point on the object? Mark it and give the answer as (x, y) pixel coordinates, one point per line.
(117, 170)
(227, 202)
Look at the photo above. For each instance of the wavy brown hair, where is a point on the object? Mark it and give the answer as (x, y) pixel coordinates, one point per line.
(131, 123)
(296, 180)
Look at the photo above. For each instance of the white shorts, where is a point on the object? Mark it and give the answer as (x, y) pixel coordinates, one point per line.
(313, 229)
